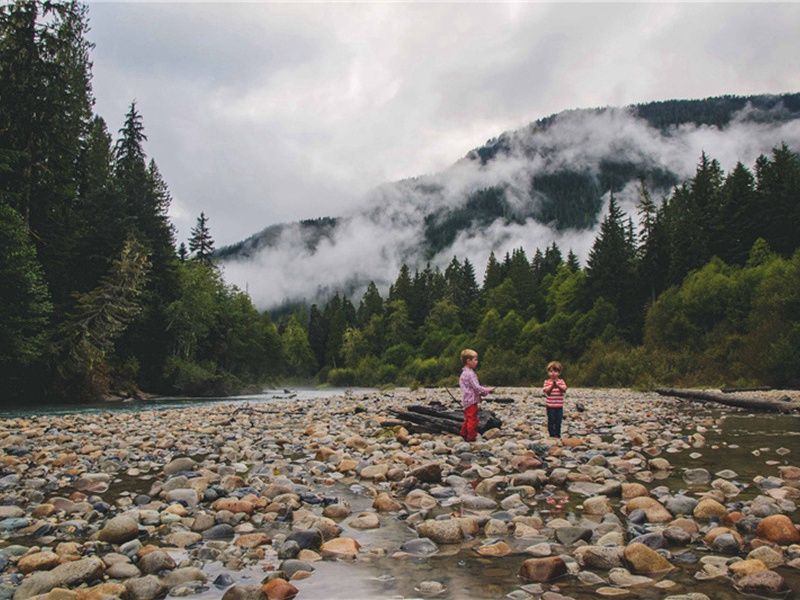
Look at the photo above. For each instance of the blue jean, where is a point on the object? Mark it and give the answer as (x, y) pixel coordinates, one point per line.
(554, 417)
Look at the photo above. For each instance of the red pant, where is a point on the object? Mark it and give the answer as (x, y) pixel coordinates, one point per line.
(469, 429)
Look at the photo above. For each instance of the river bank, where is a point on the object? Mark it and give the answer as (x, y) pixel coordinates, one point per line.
(645, 497)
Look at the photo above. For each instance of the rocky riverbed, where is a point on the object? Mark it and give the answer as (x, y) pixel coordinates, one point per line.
(643, 498)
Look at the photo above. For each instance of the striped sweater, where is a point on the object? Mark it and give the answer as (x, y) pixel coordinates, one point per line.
(555, 392)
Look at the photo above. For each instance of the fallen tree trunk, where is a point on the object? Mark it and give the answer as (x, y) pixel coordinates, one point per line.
(784, 405)
(436, 418)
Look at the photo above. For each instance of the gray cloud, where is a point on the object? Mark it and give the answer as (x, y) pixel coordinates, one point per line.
(259, 113)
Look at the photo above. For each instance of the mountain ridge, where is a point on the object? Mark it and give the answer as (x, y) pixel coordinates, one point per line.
(545, 182)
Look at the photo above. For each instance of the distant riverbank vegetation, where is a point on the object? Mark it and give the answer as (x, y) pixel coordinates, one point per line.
(98, 297)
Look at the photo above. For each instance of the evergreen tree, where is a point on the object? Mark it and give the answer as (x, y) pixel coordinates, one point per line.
(336, 320)
(402, 289)
(778, 182)
(493, 276)
(740, 216)
(24, 300)
(654, 248)
(371, 304)
(183, 253)
(146, 200)
(45, 114)
(101, 317)
(610, 270)
(317, 334)
(572, 261)
(201, 242)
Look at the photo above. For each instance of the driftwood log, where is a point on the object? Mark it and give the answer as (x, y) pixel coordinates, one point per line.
(784, 405)
(437, 418)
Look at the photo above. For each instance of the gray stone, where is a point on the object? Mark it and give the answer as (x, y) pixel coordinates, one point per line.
(145, 588)
(67, 575)
(681, 505)
(570, 535)
(603, 557)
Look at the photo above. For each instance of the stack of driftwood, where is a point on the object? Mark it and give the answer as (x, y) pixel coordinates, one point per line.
(436, 417)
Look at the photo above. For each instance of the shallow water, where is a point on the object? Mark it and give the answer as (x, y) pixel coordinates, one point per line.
(8, 411)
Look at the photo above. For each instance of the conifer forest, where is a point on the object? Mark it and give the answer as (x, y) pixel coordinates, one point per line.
(97, 296)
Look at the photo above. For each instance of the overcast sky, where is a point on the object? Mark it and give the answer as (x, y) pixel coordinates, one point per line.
(262, 113)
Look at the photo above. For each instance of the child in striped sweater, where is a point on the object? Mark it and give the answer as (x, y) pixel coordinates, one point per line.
(554, 388)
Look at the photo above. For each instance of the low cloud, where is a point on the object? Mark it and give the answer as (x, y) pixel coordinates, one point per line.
(387, 229)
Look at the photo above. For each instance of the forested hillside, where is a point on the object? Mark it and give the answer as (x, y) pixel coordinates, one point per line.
(706, 291)
(692, 280)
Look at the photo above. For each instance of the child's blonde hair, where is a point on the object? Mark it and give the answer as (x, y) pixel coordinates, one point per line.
(467, 355)
(554, 364)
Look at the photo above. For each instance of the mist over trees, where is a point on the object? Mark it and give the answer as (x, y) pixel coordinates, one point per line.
(98, 298)
(705, 291)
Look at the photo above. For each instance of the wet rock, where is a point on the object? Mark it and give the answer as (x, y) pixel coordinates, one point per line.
(655, 511)
(598, 505)
(497, 549)
(155, 562)
(624, 578)
(123, 571)
(366, 521)
(279, 589)
(654, 540)
(179, 465)
(778, 529)
(428, 473)
(641, 559)
(38, 561)
(338, 511)
(747, 567)
(676, 536)
(478, 503)
(539, 550)
(420, 547)
(763, 582)
(342, 547)
(708, 508)
(542, 570)
(441, 532)
(603, 557)
(253, 540)
(67, 575)
(770, 557)
(696, 476)
(419, 499)
(681, 505)
(726, 544)
(223, 531)
(571, 535)
(119, 530)
(244, 592)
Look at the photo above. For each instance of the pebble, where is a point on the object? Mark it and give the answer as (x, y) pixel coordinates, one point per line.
(260, 487)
